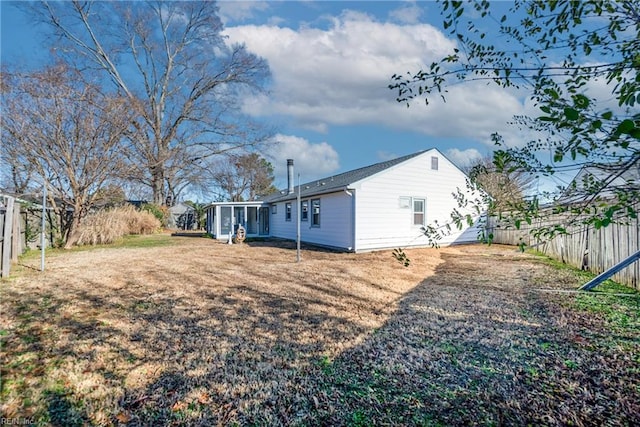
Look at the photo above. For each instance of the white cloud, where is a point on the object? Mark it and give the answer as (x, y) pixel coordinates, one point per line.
(383, 156)
(407, 14)
(339, 76)
(463, 158)
(311, 160)
(239, 10)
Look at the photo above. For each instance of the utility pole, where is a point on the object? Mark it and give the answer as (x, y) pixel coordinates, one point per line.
(298, 223)
(43, 225)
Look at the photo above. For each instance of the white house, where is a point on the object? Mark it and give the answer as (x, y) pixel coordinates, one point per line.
(381, 206)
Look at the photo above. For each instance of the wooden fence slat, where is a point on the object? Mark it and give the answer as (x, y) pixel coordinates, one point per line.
(610, 272)
(583, 246)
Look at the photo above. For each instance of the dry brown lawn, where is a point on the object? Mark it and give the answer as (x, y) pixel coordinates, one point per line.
(190, 331)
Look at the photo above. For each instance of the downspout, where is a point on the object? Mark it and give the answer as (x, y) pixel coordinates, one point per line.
(353, 218)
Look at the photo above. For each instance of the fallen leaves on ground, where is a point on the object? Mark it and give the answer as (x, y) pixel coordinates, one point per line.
(202, 333)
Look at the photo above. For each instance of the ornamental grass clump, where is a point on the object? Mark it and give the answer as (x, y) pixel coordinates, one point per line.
(107, 226)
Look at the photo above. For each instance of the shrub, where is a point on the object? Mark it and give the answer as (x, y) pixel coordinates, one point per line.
(107, 226)
(160, 212)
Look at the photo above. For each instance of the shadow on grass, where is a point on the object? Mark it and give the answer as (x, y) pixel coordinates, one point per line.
(460, 352)
(244, 360)
(463, 348)
(289, 244)
(63, 411)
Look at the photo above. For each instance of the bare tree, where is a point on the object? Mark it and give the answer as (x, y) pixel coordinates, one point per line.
(183, 81)
(244, 177)
(506, 187)
(68, 135)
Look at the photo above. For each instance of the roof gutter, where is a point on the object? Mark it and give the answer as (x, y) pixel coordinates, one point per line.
(286, 197)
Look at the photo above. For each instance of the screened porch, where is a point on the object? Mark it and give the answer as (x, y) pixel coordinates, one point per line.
(224, 219)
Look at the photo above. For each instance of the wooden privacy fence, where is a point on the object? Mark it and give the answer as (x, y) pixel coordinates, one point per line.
(10, 234)
(585, 247)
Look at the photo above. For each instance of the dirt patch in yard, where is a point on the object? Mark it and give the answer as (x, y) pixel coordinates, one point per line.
(196, 332)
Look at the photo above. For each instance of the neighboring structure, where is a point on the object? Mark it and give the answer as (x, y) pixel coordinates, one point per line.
(605, 180)
(376, 207)
(585, 246)
(182, 217)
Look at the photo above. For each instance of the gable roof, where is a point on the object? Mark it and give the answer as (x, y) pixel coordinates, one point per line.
(338, 182)
(612, 178)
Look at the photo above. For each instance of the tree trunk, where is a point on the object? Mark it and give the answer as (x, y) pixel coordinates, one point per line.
(157, 185)
(72, 234)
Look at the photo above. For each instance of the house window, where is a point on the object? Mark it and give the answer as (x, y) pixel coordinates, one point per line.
(315, 212)
(274, 209)
(304, 210)
(405, 202)
(418, 211)
(434, 163)
(287, 211)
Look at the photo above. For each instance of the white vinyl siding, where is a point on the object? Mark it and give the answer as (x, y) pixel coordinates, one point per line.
(336, 223)
(381, 221)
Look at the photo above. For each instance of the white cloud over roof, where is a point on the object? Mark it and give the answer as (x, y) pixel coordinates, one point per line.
(463, 158)
(311, 160)
(339, 75)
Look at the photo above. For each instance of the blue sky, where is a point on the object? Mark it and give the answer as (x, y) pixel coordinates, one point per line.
(331, 62)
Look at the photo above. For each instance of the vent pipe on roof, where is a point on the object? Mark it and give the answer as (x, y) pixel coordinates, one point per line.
(290, 176)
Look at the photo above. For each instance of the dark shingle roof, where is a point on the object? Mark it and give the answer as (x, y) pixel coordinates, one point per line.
(338, 182)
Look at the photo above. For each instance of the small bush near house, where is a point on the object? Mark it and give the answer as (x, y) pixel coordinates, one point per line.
(160, 212)
(107, 226)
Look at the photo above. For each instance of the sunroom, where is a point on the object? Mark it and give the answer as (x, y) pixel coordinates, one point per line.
(224, 218)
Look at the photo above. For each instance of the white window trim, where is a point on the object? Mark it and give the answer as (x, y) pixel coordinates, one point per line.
(288, 211)
(414, 212)
(319, 213)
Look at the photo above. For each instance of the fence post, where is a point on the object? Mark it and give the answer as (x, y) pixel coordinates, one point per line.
(6, 240)
(16, 233)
